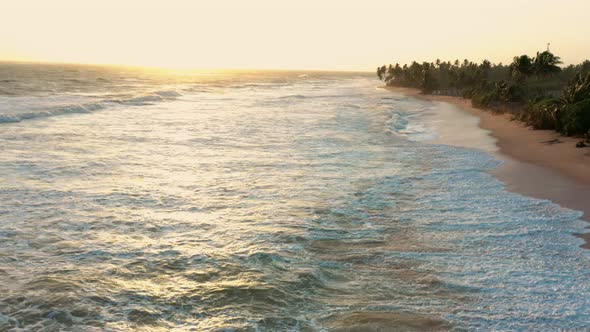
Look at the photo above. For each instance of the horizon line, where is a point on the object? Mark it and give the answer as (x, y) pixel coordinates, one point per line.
(170, 68)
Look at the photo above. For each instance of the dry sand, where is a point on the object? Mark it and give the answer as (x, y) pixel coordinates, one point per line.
(537, 163)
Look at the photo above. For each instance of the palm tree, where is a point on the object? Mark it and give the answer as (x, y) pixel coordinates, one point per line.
(380, 71)
(428, 82)
(578, 90)
(574, 106)
(484, 70)
(546, 63)
(555, 111)
(521, 67)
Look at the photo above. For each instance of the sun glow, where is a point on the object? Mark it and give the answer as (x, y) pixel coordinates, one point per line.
(302, 34)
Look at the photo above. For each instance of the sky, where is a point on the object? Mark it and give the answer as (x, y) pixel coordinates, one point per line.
(280, 34)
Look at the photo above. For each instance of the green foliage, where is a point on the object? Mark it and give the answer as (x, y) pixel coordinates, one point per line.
(381, 72)
(509, 91)
(546, 63)
(484, 98)
(537, 80)
(492, 94)
(429, 82)
(569, 114)
(543, 114)
(576, 118)
(521, 67)
(577, 90)
(574, 106)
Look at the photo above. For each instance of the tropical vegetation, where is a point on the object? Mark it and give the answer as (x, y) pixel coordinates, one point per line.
(537, 90)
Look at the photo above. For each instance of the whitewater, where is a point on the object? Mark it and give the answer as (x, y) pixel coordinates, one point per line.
(263, 201)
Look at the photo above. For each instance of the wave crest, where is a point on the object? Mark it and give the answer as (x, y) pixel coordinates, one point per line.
(147, 99)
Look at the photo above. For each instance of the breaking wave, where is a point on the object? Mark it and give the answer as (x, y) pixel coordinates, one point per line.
(81, 108)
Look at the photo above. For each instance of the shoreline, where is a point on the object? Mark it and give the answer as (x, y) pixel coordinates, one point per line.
(536, 163)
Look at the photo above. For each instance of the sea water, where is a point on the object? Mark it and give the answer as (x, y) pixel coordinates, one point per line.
(262, 201)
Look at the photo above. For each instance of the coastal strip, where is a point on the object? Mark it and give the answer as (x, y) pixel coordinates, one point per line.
(537, 163)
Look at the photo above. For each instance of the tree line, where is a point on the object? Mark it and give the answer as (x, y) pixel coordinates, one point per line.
(546, 94)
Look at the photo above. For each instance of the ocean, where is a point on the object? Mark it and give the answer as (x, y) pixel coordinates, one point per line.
(155, 200)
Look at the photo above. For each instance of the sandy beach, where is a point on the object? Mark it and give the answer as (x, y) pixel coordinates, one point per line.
(537, 163)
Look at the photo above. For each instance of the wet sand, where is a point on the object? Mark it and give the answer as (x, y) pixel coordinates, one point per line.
(386, 321)
(537, 163)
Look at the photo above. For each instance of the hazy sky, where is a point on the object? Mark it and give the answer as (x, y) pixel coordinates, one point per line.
(306, 34)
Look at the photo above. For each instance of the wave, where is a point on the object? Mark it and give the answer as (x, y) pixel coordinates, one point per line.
(151, 98)
(76, 80)
(7, 92)
(168, 93)
(400, 123)
(147, 99)
(70, 109)
(293, 96)
(259, 85)
(140, 101)
(298, 96)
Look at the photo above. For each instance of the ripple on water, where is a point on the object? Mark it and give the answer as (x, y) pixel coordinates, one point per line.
(235, 209)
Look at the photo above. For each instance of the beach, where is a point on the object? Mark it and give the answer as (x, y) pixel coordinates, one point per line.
(537, 163)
